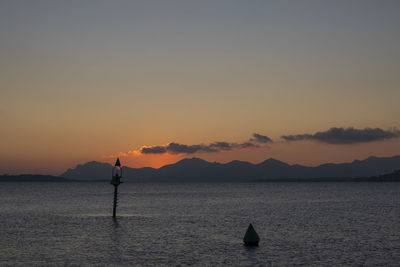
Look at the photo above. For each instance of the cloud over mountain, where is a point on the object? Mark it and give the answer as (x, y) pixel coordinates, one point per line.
(177, 148)
(334, 135)
(346, 135)
(260, 138)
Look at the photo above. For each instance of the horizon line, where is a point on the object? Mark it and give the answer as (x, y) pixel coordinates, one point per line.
(191, 158)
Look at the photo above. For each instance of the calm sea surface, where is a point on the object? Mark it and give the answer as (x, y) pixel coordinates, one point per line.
(200, 224)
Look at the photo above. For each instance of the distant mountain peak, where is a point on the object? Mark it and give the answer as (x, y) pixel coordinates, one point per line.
(239, 162)
(94, 164)
(89, 170)
(187, 162)
(194, 159)
(273, 162)
(99, 163)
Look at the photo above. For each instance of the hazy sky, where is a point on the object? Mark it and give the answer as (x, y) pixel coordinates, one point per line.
(83, 80)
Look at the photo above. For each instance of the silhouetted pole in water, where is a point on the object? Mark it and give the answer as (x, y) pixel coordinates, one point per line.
(116, 181)
(115, 200)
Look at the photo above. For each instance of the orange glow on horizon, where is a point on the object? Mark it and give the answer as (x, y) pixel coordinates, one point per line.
(151, 160)
(307, 153)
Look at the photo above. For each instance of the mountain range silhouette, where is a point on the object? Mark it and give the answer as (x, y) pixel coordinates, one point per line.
(198, 170)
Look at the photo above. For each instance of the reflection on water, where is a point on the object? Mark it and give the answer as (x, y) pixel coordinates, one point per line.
(119, 215)
(200, 224)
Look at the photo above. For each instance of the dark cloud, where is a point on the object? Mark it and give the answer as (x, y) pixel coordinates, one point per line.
(223, 145)
(248, 145)
(229, 146)
(260, 138)
(176, 148)
(297, 137)
(346, 135)
(153, 150)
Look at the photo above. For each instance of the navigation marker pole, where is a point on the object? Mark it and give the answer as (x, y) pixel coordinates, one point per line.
(116, 181)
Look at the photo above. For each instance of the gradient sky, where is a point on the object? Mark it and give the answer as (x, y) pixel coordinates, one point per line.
(83, 80)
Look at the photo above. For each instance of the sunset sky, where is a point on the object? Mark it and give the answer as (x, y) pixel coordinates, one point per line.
(318, 81)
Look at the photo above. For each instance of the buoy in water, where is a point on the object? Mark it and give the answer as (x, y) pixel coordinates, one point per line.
(251, 237)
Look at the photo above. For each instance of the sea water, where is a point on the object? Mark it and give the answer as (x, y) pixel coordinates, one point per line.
(53, 224)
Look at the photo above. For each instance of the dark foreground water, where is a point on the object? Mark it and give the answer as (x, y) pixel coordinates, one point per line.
(200, 224)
